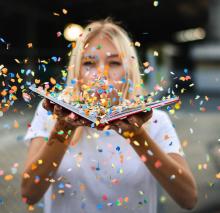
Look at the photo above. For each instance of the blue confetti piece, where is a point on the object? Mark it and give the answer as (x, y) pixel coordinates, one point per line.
(1, 201)
(11, 75)
(118, 148)
(2, 40)
(28, 72)
(73, 81)
(107, 133)
(99, 206)
(123, 80)
(40, 205)
(83, 205)
(185, 71)
(61, 185)
(49, 113)
(54, 58)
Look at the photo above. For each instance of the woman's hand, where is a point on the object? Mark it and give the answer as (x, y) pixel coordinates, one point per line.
(65, 117)
(131, 125)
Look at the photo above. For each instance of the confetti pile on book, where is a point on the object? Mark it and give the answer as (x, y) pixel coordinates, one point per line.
(97, 99)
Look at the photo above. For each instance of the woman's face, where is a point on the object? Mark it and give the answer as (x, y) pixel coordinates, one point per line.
(101, 59)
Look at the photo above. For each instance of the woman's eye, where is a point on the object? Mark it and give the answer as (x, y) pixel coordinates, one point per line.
(88, 63)
(115, 63)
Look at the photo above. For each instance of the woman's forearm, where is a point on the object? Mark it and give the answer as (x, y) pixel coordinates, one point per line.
(38, 175)
(175, 179)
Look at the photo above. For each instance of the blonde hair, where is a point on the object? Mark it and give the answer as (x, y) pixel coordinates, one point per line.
(122, 42)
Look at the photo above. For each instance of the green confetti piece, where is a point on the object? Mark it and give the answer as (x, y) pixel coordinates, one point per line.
(69, 132)
(60, 132)
(148, 109)
(99, 47)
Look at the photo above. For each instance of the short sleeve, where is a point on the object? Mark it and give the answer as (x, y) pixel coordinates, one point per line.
(40, 125)
(165, 134)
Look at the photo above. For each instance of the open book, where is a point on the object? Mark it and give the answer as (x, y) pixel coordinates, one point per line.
(113, 115)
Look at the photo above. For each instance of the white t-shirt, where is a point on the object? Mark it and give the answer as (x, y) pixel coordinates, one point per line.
(103, 173)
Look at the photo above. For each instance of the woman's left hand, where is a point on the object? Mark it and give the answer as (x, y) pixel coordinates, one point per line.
(131, 125)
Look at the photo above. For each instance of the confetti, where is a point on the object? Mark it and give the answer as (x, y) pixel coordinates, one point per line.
(157, 164)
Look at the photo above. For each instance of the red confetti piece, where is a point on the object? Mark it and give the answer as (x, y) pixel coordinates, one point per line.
(157, 164)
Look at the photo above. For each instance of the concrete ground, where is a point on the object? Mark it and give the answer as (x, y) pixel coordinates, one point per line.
(198, 132)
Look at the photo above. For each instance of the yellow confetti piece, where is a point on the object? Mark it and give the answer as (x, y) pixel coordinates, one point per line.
(37, 81)
(20, 80)
(185, 143)
(137, 44)
(156, 53)
(145, 143)
(172, 111)
(8, 177)
(56, 14)
(30, 208)
(17, 61)
(177, 105)
(52, 80)
(156, 3)
(54, 164)
(40, 162)
(64, 11)
(217, 175)
(97, 122)
(136, 143)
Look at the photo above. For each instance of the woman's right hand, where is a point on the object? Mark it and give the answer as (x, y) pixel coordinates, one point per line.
(65, 117)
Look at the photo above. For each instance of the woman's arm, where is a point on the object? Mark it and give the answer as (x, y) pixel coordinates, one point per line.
(171, 170)
(44, 158)
(43, 161)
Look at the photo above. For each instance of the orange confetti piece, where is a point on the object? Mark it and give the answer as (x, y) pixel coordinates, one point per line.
(52, 80)
(29, 45)
(8, 177)
(4, 70)
(33, 166)
(16, 124)
(82, 187)
(4, 93)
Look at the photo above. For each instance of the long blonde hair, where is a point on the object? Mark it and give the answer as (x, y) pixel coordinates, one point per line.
(127, 51)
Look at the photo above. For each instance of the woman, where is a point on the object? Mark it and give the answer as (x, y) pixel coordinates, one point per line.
(115, 169)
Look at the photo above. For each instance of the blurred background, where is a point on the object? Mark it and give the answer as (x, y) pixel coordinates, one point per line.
(178, 43)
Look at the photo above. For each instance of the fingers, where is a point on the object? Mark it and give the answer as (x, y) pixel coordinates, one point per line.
(139, 119)
(48, 105)
(75, 120)
(135, 121)
(119, 126)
